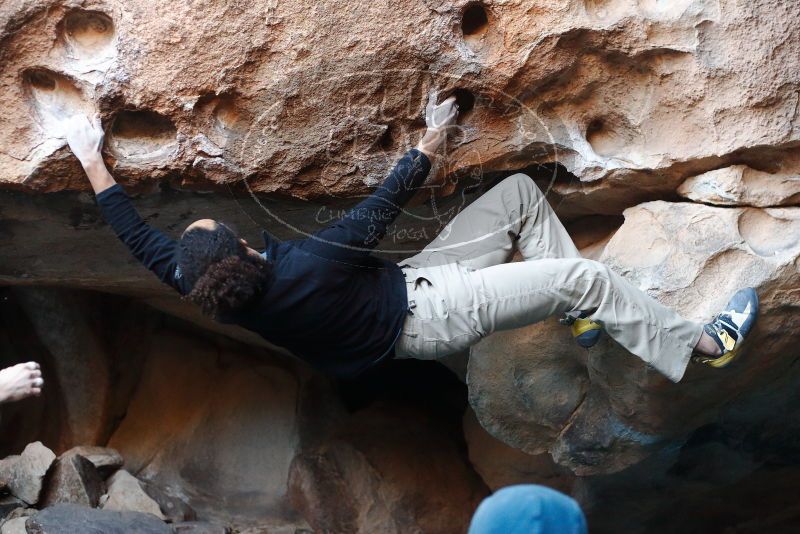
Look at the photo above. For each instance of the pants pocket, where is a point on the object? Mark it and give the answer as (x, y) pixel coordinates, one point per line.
(454, 334)
(429, 303)
(434, 348)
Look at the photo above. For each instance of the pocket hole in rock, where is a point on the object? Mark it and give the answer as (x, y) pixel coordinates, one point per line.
(465, 100)
(40, 79)
(54, 97)
(226, 114)
(88, 32)
(142, 135)
(769, 235)
(608, 137)
(386, 140)
(474, 21)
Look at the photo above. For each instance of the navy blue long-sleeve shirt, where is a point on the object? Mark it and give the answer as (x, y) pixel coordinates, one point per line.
(331, 302)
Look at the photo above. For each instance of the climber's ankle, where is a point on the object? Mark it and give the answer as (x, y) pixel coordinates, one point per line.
(707, 346)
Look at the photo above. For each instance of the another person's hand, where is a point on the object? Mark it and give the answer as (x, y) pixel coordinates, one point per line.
(85, 138)
(20, 381)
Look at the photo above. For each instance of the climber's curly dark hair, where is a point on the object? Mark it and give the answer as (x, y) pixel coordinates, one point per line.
(224, 278)
(230, 285)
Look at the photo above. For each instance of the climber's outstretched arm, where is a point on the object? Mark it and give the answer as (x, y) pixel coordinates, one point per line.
(151, 247)
(357, 233)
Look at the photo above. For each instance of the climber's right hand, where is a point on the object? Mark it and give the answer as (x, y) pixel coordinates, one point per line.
(85, 138)
(440, 116)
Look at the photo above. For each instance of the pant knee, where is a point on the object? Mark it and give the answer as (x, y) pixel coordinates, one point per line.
(522, 182)
(524, 188)
(593, 270)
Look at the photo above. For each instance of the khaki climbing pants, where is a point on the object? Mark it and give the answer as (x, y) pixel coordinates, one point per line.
(463, 285)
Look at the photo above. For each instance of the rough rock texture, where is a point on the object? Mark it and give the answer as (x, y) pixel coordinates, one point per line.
(72, 518)
(14, 526)
(23, 474)
(633, 115)
(72, 479)
(501, 465)
(376, 475)
(9, 503)
(200, 527)
(634, 95)
(220, 430)
(125, 493)
(739, 185)
(104, 459)
(175, 510)
(617, 410)
(17, 514)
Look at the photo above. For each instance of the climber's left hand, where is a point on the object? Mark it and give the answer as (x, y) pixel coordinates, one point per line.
(85, 138)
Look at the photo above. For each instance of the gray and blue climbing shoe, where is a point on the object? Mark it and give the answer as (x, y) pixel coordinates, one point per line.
(585, 331)
(729, 328)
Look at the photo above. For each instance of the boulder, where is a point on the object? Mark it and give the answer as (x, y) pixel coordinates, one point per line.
(104, 459)
(73, 479)
(604, 410)
(610, 87)
(390, 469)
(24, 474)
(500, 465)
(9, 503)
(14, 526)
(14, 522)
(125, 493)
(72, 518)
(21, 512)
(740, 185)
(229, 451)
(175, 509)
(269, 115)
(620, 102)
(200, 527)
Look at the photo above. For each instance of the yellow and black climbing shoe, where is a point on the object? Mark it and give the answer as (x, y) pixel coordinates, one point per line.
(729, 328)
(585, 331)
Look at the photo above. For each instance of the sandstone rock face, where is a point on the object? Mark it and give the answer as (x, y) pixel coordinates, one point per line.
(601, 411)
(739, 185)
(23, 474)
(501, 465)
(277, 115)
(385, 472)
(216, 428)
(632, 95)
(200, 527)
(73, 479)
(14, 526)
(175, 510)
(125, 493)
(104, 459)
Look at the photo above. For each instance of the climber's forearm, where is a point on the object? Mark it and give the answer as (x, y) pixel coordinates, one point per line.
(98, 174)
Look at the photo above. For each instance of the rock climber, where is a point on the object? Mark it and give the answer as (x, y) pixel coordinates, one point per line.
(331, 302)
(20, 382)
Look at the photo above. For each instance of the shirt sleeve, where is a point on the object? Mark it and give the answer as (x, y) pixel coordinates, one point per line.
(150, 246)
(360, 230)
